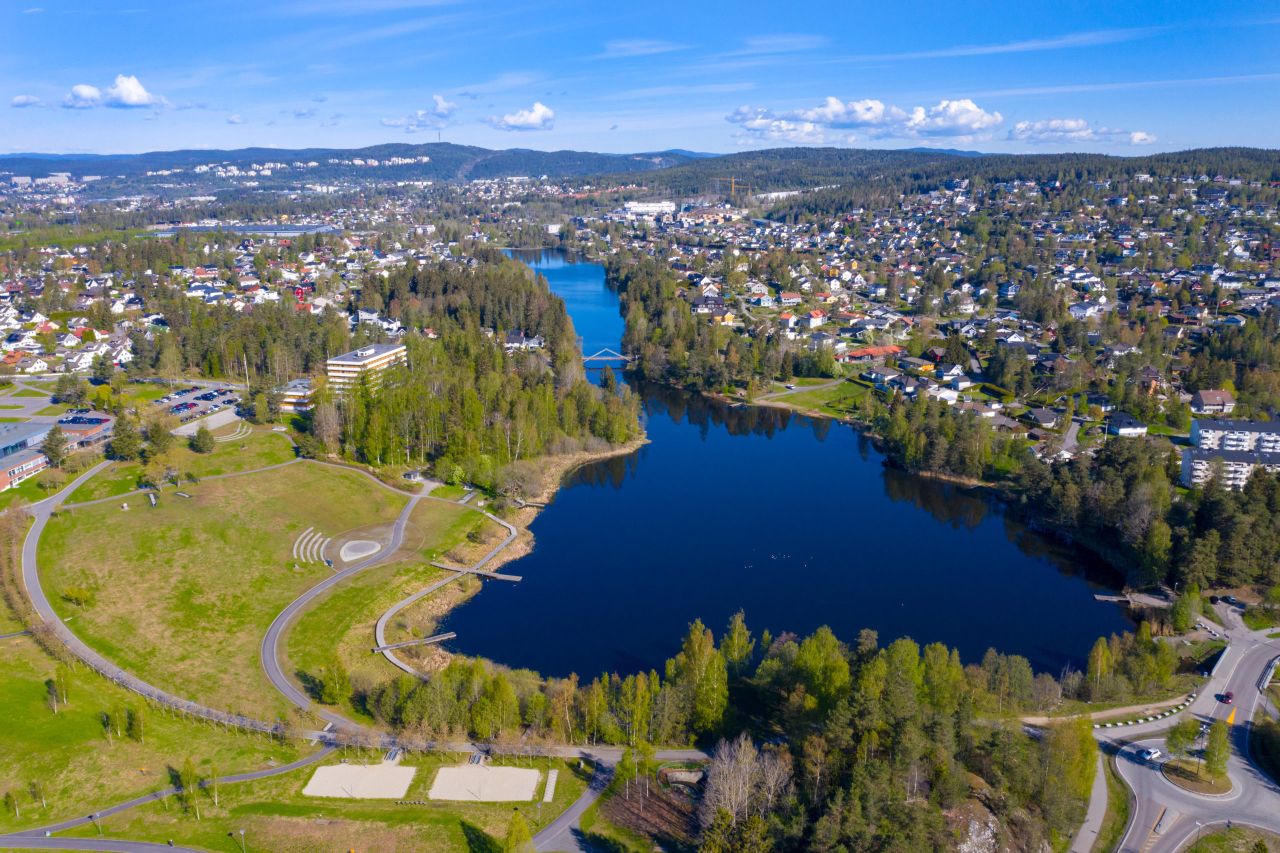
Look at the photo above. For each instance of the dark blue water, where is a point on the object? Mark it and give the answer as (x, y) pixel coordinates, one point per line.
(793, 520)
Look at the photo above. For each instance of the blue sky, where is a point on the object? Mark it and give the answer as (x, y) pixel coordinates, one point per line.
(1116, 77)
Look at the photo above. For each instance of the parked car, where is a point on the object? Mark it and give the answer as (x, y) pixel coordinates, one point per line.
(1150, 754)
(1213, 599)
(1228, 698)
(1230, 599)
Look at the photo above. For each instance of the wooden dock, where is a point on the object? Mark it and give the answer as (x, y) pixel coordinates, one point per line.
(436, 638)
(478, 572)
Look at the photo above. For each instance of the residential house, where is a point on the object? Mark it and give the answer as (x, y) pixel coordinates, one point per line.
(1208, 402)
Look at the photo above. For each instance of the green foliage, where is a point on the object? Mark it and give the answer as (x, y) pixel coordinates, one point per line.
(1217, 749)
(518, 839)
(126, 443)
(335, 684)
(203, 441)
(54, 446)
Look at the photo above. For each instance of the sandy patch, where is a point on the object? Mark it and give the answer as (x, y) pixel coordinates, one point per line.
(359, 548)
(477, 783)
(358, 782)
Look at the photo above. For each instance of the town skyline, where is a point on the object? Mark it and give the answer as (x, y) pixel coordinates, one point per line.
(1128, 81)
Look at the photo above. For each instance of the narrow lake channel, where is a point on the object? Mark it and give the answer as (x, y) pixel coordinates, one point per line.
(794, 520)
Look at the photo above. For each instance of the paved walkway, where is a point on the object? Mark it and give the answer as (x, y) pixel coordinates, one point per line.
(1088, 833)
(75, 823)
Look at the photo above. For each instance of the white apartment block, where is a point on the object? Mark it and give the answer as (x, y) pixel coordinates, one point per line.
(1250, 436)
(345, 370)
(1234, 467)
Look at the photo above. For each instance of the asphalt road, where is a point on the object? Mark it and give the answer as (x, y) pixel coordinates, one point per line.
(1166, 816)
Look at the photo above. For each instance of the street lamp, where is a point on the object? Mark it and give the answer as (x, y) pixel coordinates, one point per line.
(97, 821)
(1198, 825)
(242, 850)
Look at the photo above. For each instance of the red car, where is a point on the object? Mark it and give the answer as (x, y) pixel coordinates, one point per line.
(1228, 698)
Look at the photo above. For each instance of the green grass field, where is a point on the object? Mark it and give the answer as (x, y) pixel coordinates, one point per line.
(277, 817)
(184, 593)
(260, 450)
(58, 409)
(449, 493)
(836, 400)
(29, 392)
(70, 755)
(344, 618)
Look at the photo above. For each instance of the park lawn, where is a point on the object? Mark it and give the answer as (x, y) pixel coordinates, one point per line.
(56, 409)
(344, 618)
(826, 398)
(28, 490)
(12, 407)
(260, 450)
(185, 592)
(276, 816)
(29, 392)
(448, 492)
(1237, 839)
(70, 755)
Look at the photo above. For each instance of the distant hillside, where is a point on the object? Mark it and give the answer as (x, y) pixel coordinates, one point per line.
(448, 161)
(845, 178)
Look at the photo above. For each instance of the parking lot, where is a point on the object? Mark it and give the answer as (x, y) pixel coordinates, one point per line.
(190, 403)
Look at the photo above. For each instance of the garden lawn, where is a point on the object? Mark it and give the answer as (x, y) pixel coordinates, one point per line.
(260, 450)
(277, 817)
(71, 757)
(29, 392)
(184, 593)
(344, 618)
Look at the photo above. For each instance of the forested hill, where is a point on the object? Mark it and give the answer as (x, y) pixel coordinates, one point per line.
(914, 171)
(447, 161)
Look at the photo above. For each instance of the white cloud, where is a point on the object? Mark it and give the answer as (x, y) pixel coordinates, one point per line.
(395, 122)
(26, 101)
(833, 113)
(622, 48)
(781, 44)
(951, 118)
(82, 97)
(125, 93)
(235, 119)
(443, 108)
(761, 125)
(962, 119)
(304, 113)
(540, 117)
(128, 92)
(29, 11)
(1074, 130)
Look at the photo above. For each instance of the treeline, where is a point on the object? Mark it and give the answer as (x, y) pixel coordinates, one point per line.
(672, 344)
(475, 411)
(1121, 499)
(871, 744)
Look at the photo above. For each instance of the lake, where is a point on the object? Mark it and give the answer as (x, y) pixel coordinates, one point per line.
(794, 520)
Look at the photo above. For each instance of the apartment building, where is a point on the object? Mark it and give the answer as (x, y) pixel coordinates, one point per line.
(346, 370)
(1252, 436)
(1233, 467)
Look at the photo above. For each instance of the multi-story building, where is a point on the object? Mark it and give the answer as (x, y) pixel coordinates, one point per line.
(296, 396)
(1232, 467)
(346, 370)
(20, 453)
(1253, 436)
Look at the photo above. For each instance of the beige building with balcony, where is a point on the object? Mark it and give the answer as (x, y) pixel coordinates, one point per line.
(345, 370)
